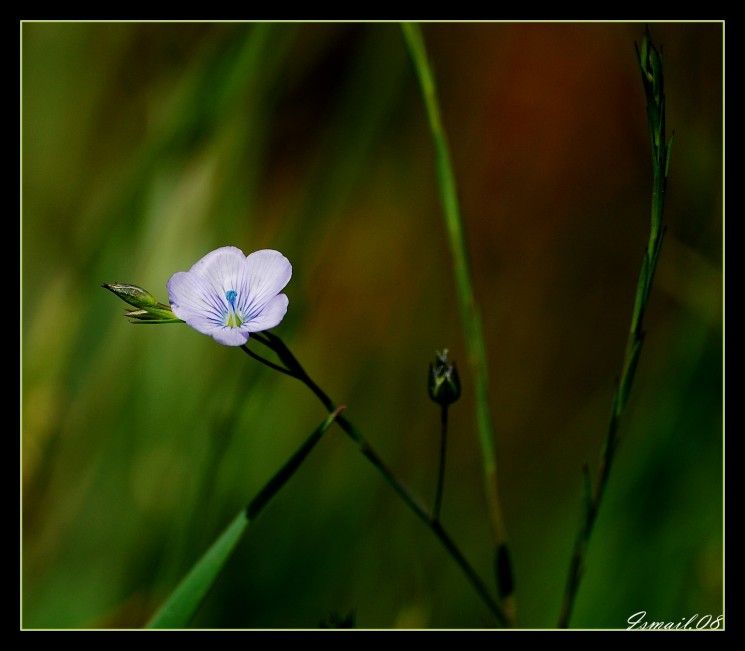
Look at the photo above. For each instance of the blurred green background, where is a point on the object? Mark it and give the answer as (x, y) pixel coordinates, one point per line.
(147, 145)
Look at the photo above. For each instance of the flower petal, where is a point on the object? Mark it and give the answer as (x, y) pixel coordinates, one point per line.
(270, 316)
(196, 301)
(224, 268)
(266, 274)
(226, 287)
(229, 336)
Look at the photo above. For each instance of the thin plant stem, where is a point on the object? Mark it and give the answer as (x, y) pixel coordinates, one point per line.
(441, 466)
(264, 361)
(273, 342)
(469, 313)
(272, 487)
(181, 606)
(650, 62)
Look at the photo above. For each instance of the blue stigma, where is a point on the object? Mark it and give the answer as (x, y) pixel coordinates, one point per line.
(231, 295)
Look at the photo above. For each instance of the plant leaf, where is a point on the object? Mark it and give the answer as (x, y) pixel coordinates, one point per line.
(184, 601)
(180, 607)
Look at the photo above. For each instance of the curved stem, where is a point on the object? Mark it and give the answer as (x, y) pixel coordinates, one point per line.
(441, 466)
(274, 343)
(265, 362)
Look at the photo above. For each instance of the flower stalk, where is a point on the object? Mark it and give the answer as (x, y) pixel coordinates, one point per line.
(293, 368)
(443, 385)
(441, 465)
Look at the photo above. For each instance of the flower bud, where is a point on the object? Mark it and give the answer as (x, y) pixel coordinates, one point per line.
(132, 294)
(149, 310)
(650, 62)
(443, 380)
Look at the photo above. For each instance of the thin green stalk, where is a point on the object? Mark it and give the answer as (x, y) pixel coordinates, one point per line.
(650, 63)
(180, 607)
(441, 466)
(264, 361)
(274, 343)
(469, 313)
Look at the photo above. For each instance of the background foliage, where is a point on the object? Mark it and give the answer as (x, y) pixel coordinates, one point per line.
(147, 145)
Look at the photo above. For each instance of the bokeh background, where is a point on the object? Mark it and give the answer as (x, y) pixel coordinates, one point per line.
(147, 145)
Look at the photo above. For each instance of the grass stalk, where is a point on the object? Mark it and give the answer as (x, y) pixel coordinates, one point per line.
(468, 308)
(650, 63)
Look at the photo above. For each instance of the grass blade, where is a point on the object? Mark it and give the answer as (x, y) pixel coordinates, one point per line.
(179, 609)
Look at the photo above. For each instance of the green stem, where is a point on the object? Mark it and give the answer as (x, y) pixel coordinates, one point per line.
(441, 466)
(264, 361)
(470, 318)
(271, 488)
(184, 601)
(274, 343)
(651, 67)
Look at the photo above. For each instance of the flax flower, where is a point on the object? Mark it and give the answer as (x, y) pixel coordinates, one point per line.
(229, 295)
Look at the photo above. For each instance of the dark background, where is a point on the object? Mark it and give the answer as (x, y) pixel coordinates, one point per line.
(147, 145)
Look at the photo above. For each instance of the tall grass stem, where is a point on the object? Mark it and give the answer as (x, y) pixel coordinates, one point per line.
(468, 308)
(650, 64)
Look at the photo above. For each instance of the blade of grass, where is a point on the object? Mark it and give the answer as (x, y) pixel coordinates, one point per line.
(180, 607)
(469, 313)
(650, 63)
